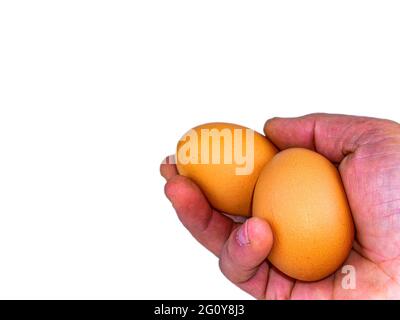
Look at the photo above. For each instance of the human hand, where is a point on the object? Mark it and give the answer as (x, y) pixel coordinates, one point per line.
(367, 152)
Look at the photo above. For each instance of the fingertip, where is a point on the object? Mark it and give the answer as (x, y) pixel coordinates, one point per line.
(247, 248)
(186, 198)
(269, 125)
(173, 186)
(253, 239)
(278, 131)
(208, 226)
(260, 234)
(291, 132)
(162, 170)
(168, 168)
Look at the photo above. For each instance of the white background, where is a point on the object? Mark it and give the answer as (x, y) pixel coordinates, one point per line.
(93, 94)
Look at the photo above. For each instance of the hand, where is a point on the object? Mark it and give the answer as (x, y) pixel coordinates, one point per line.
(367, 152)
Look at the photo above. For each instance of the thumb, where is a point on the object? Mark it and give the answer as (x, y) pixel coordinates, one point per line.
(331, 135)
(243, 257)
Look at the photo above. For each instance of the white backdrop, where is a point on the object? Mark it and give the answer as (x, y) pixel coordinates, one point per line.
(93, 94)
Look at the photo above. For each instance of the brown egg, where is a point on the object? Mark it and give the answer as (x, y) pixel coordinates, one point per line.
(300, 193)
(224, 160)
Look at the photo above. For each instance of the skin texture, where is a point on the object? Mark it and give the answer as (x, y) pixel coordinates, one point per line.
(367, 153)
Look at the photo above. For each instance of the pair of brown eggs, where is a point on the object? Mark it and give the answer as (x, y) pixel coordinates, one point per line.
(297, 191)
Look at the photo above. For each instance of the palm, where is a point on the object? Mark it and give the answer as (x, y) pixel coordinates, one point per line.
(368, 154)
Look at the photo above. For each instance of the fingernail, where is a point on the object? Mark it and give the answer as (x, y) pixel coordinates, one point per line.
(242, 234)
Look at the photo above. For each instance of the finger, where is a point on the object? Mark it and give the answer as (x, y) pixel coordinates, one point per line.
(243, 257)
(334, 136)
(168, 168)
(318, 290)
(208, 226)
(279, 287)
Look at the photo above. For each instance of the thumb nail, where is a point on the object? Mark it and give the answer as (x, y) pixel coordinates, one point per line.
(242, 234)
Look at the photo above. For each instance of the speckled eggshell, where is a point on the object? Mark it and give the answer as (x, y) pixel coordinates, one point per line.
(224, 188)
(300, 193)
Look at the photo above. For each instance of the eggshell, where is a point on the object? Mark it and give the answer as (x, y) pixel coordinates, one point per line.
(226, 173)
(300, 193)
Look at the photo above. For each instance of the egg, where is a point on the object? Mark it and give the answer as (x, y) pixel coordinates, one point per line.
(224, 160)
(300, 193)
